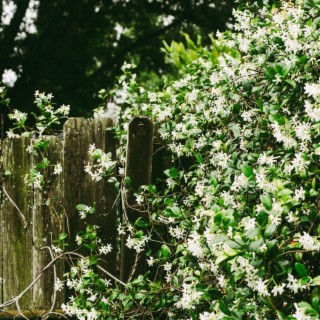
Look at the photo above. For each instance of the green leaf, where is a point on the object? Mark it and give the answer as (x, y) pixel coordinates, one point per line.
(62, 236)
(93, 260)
(313, 169)
(223, 307)
(316, 281)
(141, 222)
(139, 296)
(152, 188)
(97, 154)
(221, 256)
(262, 217)
(46, 162)
(173, 173)
(256, 245)
(127, 182)
(236, 108)
(285, 192)
(315, 301)
(291, 82)
(81, 207)
(91, 246)
(42, 145)
(199, 158)
(176, 211)
(260, 104)
(301, 269)
(252, 233)
(270, 230)
(247, 170)
(266, 201)
(165, 251)
(256, 89)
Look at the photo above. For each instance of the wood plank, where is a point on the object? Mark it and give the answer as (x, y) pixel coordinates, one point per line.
(17, 248)
(77, 185)
(105, 195)
(1, 229)
(139, 170)
(47, 223)
(79, 135)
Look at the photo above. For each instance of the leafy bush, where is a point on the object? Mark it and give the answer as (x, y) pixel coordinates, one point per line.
(243, 215)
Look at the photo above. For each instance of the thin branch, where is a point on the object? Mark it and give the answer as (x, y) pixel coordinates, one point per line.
(52, 262)
(23, 218)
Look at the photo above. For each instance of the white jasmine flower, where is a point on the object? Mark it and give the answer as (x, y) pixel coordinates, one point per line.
(299, 194)
(249, 223)
(308, 243)
(58, 285)
(176, 232)
(312, 89)
(278, 290)
(239, 182)
(78, 240)
(262, 287)
(194, 245)
(150, 261)
(93, 297)
(302, 131)
(264, 159)
(299, 314)
(294, 285)
(139, 199)
(57, 169)
(56, 249)
(105, 249)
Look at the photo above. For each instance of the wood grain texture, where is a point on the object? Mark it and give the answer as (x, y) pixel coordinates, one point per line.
(79, 134)
(105, 196)
(17, 242)
(139, 170)
(47, 223)
(52, 210)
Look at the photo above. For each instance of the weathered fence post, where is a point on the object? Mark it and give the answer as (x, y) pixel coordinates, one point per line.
(138, 169)
(77, 186)
(47, 223)
(1, 232)
(79, 134)
(105, 196)
(16, 216)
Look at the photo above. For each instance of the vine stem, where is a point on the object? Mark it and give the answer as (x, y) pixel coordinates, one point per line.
(16, 299)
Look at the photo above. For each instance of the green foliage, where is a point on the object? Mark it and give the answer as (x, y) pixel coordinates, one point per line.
(241, 203)
(180, 54)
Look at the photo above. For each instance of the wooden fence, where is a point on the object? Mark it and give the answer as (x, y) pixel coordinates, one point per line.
(51, 211)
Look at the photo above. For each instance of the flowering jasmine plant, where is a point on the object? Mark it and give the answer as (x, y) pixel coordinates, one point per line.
(45, 121)
(239, 221)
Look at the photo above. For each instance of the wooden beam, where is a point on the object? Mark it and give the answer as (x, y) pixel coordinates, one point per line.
(138, 169)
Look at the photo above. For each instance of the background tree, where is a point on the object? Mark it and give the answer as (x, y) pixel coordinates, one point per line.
(74, 48)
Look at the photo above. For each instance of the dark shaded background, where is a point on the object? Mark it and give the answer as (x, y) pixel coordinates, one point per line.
(73, 35)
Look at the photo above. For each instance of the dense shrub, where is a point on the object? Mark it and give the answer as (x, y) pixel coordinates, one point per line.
(244, 216)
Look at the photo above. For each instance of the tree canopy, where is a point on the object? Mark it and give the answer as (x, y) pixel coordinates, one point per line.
(75, 48)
